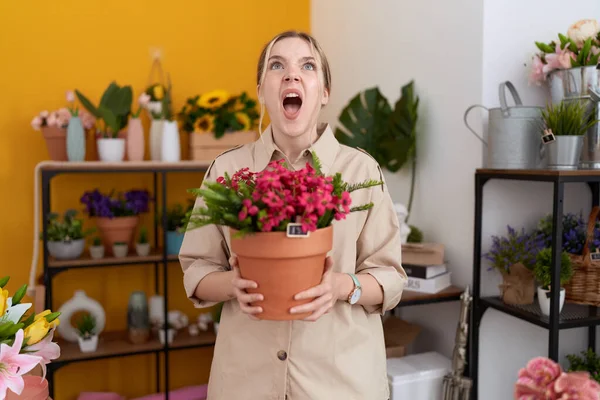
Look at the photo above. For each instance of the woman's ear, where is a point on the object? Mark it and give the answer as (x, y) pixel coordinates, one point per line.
(261, 99)
(325, 98)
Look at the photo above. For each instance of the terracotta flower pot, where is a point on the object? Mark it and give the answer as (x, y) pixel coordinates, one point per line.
(56, 142)
(282, 267)
(119, 229)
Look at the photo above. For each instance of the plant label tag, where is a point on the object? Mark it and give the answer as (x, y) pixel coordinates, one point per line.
(548, 137)
(595, 256)
(294, 230)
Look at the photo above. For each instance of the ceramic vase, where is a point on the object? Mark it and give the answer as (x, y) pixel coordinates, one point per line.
(118, 229)
(79, 302)
(138, 321)
(56, 142)
(282, 266)
(156, 130)
(66, 250)
(111, 150)
(174, 242)
(544, 300)
(88, 345)
(170, 147)
(75, 140)
(135, 140)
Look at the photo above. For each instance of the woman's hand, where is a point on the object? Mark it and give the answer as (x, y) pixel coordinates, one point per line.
(239, 291)
(326, 294)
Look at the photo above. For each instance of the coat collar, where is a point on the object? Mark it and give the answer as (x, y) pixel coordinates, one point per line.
(326, 147)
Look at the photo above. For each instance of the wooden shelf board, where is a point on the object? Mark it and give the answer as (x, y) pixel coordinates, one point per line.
(539, 172)
(116, 344)
(134, 166)
(86, 261)
(448, 294)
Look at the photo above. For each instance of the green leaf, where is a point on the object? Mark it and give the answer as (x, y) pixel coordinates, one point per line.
(4, 281)
(563, 40)
(585, 51)
(110, 118)
(19, 295)
(51, 317)
(108, 93)
(87, 104)
(29, 320)
(544, 47)
(120, 101)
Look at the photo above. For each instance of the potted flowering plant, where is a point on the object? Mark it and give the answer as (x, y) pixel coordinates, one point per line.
(514, 256)
(117, 214)
(26, 342)
(113, 111)
(66, 238)
(543, 274)
(281, 226)
(544, 379)
(217, 121)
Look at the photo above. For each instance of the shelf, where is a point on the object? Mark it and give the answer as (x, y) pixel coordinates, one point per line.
(571, 316)
(108, 260)
(411, 298)
(543, 175)
(116, 344)
(125, 166)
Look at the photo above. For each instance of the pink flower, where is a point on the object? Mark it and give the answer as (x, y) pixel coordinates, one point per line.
(13, 365)
(35, 388)
(561, 59)
(144, 99)
(36, 123)
(87, 119)
(576, 385)
(70, 96)
(536, 379)
(51, 120)
(537, 75)
(46, 349)
(44, 114)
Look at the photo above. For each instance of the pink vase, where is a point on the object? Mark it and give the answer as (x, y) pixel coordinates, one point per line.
(135, 140)
(35, 388)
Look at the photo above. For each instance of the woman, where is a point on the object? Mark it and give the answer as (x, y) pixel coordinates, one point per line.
(338, 352)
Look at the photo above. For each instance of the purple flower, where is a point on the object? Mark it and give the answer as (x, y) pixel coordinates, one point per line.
(514, 248)
(131, 203)
(574, 231)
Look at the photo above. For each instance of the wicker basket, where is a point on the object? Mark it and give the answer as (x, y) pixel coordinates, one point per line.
(584, 286)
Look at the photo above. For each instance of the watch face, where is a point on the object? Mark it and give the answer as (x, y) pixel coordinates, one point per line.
(355, 296)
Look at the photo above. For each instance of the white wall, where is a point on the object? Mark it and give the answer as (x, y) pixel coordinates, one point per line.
(457, 52)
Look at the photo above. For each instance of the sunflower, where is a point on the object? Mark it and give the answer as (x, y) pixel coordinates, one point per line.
(214, 99)
(158, 92)
(243, 119)
(206, 123)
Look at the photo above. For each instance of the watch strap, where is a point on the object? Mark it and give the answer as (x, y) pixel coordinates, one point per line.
(355, 280)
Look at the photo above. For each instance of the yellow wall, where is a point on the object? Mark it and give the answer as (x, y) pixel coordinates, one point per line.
(48, 47)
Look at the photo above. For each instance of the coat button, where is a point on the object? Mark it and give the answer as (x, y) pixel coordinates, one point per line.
(282, 355)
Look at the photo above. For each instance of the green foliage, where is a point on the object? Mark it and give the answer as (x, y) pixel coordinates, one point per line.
(584, 55)
(96, 241)
(178, 215)
(143, 239)
(415, 235)
(371, 124)
(568, 118)
(86, 325)
(114, 107)
(543, 267)
(69, 229)
(585, 361)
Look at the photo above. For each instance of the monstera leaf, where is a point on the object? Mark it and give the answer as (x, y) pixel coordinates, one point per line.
(365, 120)
(114, 106)
(387, 135)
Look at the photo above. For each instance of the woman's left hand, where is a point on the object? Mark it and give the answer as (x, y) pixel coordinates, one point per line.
(325, 294)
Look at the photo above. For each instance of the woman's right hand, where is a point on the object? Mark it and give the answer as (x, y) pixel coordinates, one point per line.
(239, 290)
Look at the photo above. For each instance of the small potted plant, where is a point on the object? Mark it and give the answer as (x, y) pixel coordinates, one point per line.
(66, 238)
(176, 220)
(587, 361)
(514, 257)
(171, 331)
(142, 247)
(97, 248)
(87, 337)
(543, 273)
(120, 249)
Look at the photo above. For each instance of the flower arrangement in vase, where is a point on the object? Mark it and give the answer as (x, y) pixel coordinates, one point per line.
(217, 121)
(112, 114)
(544, 379)
(66, 238)
(117, 214)
(281, 225)
(514, 256)
(543, 273)
(170, 148)
(25, 342)
(580, 47)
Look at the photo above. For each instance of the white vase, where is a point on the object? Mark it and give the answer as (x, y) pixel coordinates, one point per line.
(156, 130)
(66, 250)
(120, 250)
(170, 335)
(79, 302)
(142, 249)
(170, 147)
(111, 150)
(88, 345)
(96, 252)
(544, 300)
(156, 307)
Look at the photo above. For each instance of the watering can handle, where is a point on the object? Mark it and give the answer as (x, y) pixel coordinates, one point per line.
(502, 95)
(467, 123)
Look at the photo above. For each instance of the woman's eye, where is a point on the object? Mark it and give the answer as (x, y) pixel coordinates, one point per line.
(309, 66)
(276, 64)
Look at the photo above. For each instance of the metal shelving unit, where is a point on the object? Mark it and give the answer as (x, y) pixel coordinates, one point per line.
(116, 344)
(572, 315)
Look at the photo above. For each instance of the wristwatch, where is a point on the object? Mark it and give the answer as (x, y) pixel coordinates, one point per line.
(356, 292)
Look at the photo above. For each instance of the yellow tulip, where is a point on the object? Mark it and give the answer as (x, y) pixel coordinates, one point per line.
(53, 324)
(3, 299)
(39, 328)
(158, 92)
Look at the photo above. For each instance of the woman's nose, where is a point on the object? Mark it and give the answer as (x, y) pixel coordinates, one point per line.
(292, 76)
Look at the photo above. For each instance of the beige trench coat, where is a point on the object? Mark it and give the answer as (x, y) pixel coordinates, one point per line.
(342, 355)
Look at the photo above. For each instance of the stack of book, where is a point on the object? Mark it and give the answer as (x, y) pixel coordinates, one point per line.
(425, 267)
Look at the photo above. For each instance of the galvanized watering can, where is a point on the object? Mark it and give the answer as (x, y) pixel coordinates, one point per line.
(514, 133)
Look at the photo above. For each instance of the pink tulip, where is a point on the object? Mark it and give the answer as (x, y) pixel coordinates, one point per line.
(144, 99)
(70, 96)
(46, 349)
(13, 365)
(36, 123)
(35, 388)
(576, 385)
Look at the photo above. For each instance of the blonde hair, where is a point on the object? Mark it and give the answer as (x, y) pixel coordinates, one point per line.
(317, 51)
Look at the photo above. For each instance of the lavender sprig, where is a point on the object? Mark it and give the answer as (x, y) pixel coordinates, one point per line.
(514, 248)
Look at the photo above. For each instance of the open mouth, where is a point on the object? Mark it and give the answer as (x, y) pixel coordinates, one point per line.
(292, 102)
